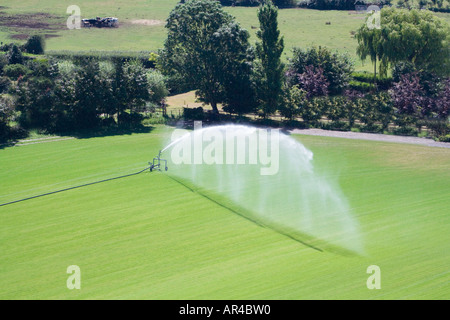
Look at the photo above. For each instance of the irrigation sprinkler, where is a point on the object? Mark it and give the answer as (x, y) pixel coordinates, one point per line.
(156, 165)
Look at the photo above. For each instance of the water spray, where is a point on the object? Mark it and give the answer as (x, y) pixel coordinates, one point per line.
(295, 201)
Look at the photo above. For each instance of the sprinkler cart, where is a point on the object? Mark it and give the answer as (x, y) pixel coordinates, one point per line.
(156, 165)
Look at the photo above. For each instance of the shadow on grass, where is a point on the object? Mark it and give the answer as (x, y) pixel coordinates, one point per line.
(108, 131)
(223, 119)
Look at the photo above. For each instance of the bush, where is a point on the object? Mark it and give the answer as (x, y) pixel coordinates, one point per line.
(3, 62)
(402, 68)
(294, 98)
(361, 86)
(14, 71)
(35, 45)
(313, 82)
(39, 68)
(313, 110)
(6, 47)
(383, 83)
(157, 86)
(438, 128)
(336, 110)
(445, 138)
(336, 67)
(406, 131)
(4, 84)
(6, 112)
(14, 55)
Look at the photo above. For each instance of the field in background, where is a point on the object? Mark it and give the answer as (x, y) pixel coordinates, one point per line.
(300, 27)
(147, 236)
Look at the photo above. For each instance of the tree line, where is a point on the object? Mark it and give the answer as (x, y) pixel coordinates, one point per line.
(208, 49)
(82, 93)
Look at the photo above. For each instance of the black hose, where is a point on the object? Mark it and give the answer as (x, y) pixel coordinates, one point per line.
(71, 188)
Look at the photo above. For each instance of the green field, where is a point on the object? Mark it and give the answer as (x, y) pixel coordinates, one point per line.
(300, 27)
(148, 237)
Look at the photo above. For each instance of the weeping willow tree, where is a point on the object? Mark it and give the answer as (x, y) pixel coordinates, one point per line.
(416, 36)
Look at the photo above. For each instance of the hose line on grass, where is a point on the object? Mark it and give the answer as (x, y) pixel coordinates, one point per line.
(76, 187)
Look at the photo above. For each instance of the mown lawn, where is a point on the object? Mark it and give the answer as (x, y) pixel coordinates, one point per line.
(148, 237)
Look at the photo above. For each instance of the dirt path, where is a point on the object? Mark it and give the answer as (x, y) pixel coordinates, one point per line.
(372, 137)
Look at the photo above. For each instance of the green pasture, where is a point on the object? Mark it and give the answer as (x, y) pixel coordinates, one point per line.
(149, 237)
(300, 27)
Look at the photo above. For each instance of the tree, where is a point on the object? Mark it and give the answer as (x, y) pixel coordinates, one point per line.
(35, 44)
(6, 112)
(157, 86)
(89, 95)
(337, 68)
(14, 55)
(188, 50)
(416, 36)
(268, 51)
(235, 58)
(294, 98)
(136, 86)
(118, 84)
(35, 100)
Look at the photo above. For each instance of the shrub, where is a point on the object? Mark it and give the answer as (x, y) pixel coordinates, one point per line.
(294, 99)
(445, 138)
(6, 112)
(383, 83)
(409, 97)
(313, 82)
(6, 47)
(157, 86)
(4, 84)
(35, 45)
(14, 71)
(439, 128)
(14, 55)
(336, 110)
(402, 68)
(3, 62)
(361, 86)
(336, 67)
(406, 131)
(442, 102)
(39, 68)
(313, 110)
